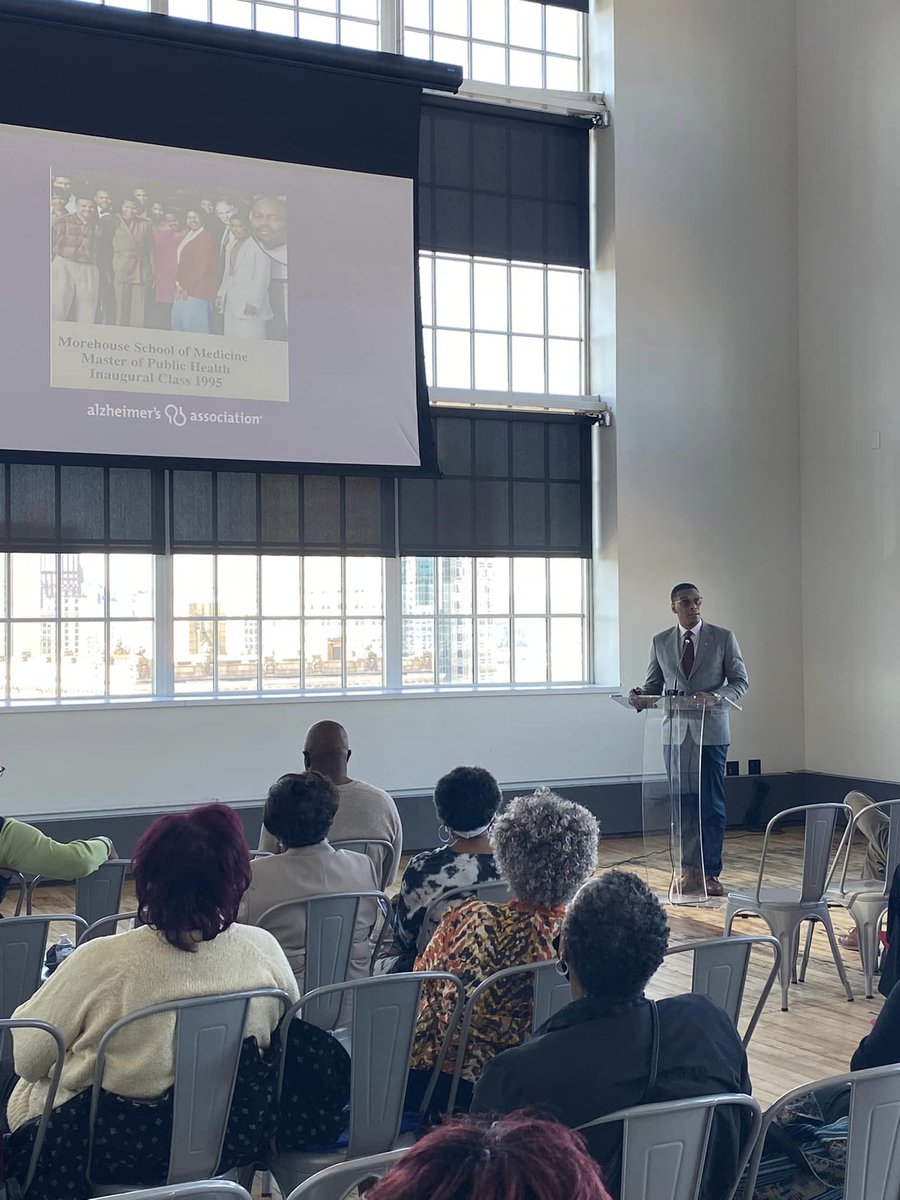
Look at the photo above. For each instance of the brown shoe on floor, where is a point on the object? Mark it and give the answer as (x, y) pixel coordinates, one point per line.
(690, 881)
(850, 941)
(713, 887)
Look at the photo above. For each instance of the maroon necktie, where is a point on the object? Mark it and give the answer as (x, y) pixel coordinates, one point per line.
(687, 655)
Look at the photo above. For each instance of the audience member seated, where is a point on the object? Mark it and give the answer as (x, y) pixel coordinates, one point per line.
(611, 1048)
(466, 800)
(365, 811)
(24, 848)
(299, 812)
(190, 872)
(874, 824)
(517, 1158)
(545, 848)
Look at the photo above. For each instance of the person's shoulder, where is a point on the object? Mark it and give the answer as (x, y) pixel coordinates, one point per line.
(251, 937)
(357, 866)
(370, 789)
(693, 1008)
(717, 631)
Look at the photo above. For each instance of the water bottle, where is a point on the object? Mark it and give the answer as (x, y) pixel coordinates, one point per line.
(59, 953)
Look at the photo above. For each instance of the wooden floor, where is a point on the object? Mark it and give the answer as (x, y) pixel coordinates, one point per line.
(821, 1031)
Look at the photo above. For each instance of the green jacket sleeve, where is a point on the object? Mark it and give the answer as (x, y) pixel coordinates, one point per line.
(24, 848)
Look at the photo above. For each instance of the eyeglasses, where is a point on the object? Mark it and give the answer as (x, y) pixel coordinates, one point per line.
(693, 600)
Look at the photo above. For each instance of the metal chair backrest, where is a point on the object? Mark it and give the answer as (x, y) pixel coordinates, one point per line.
(664, 1146)
(23, 945)
(889, 809)
(15, 879)
(107, 925)
(96, 895)
(550, 993)
(495, 891)
(818, 833)
(719, 970)
(873, 1147)
(382, 1031)
(8, 1028)
(335, 1183)
(205, 1189)
(365, 846)
(209, 1032)
(330, 925)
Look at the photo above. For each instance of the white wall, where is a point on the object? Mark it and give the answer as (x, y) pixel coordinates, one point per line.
(707, 433)
(849, 122)
(695, 341)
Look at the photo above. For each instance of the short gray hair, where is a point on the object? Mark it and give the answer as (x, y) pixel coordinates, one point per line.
(545, 847)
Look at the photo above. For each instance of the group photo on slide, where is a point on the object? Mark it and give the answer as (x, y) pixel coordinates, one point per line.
(162, 255)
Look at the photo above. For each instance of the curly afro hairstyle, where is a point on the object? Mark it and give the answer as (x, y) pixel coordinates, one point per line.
(300, 809)
(466, 798)
(545, 847)
(615, 935)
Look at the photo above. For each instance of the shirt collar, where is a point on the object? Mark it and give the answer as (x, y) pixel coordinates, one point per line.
(589, 1008)
(695, 631)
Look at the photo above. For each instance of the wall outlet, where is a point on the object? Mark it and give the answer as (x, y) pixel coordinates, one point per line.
(733, 768)
(754, 766)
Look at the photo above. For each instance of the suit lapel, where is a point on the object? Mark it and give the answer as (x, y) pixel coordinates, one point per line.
(700, 646)
(675, 643)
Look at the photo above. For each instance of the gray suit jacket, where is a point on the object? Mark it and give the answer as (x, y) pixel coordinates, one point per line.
(718, 667)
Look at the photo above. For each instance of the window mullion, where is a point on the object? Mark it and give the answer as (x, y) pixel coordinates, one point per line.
(393, 623)
(164, 626)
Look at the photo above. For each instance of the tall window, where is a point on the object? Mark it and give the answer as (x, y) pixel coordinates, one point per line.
(277, 623)
(514, 42)
(348, 22)
(76, 625)
(502, 326)
(493, 620)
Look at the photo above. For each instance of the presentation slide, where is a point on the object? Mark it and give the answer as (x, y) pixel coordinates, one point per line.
(182, 304)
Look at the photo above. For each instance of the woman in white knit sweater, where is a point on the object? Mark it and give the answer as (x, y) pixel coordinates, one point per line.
(190, 872)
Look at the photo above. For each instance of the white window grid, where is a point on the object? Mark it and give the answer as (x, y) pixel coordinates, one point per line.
(62, 652)
(222, 650)
(501, 326)
(514, 43)
(462, 637)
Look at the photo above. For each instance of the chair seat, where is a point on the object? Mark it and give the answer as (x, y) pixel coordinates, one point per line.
(769, 895)
(856, 888)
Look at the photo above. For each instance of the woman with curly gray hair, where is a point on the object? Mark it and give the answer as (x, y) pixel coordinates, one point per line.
(611, 1048)
(545, 848)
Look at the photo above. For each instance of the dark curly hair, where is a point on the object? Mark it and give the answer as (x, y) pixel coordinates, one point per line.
(300, 809)
(615, 935)
(466, 798)
(190, 872)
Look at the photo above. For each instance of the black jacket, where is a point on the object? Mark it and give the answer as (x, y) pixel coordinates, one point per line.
(593, 1057)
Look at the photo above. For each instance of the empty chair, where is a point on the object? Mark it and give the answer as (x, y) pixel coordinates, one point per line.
(23, 945)
(98, 894)
(382, 1031)
(7, 1031)
(380, 850)
(550, 992)
(496, 891)
(206, 1189)
(335, 1183)
(666, 1147)
(719, 970)
(784, 909)
(209, 1033)
(872, 1167)
(865, 899)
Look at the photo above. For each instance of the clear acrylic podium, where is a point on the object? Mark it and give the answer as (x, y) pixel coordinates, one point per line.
(670, 792)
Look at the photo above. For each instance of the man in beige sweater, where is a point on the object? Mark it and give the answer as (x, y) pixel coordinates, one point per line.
(364, 811)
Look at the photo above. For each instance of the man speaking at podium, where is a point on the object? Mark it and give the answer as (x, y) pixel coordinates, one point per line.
(701, 660)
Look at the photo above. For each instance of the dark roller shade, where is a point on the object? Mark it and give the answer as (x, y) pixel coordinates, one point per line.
(262, 513)
(75, 508)
(512, 484)
(504, 184)
(578, 5)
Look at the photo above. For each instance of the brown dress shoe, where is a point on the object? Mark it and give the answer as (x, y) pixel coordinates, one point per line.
(690, 881)
(713, 887)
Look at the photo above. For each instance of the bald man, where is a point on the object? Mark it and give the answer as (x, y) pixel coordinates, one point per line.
(365, 812)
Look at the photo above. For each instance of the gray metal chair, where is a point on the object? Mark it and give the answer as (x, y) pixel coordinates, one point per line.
(107, 925)
(206, 1189)
(17, 879)
(209, 1032)
(865, 899)
(873, 1142)
(23, 945)
(719, 970)
(550, 993)
(495, 891)
(664, 1146)
(365, 846)
(96, 895)
(8, 1027)
(330, 922)
(335, 1183)
(382, 1030)
(784, 909)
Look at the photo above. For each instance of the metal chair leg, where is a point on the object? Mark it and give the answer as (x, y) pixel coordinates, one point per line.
(836, 955)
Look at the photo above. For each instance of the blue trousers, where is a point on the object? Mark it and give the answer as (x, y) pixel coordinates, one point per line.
(702, 839)
(192, 315)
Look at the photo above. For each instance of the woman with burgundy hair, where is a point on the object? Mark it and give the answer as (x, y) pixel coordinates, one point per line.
(517, 1158)
(190, 872)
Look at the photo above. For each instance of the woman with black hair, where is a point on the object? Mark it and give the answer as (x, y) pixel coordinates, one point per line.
(611, 1048)
(466, 800)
